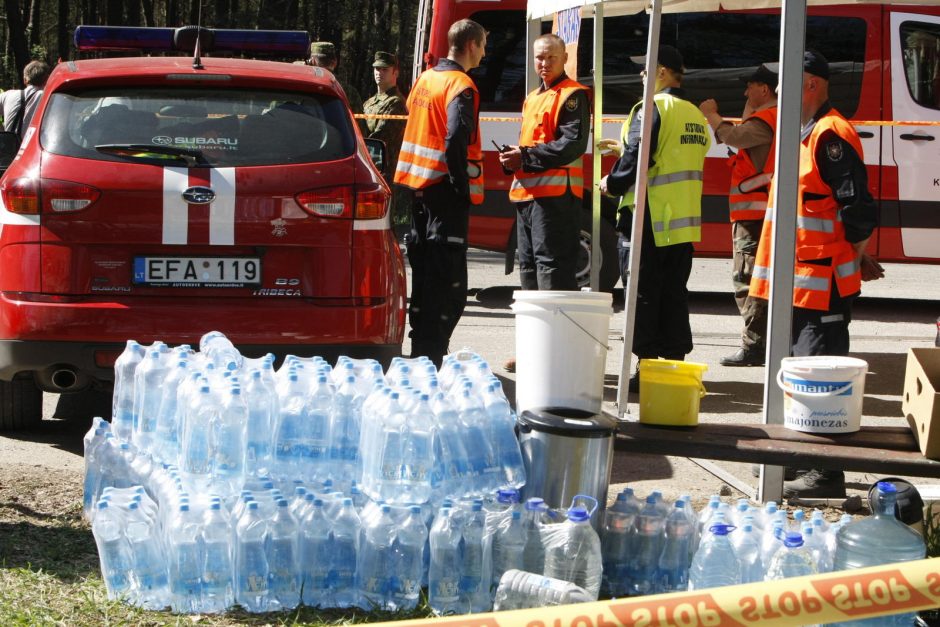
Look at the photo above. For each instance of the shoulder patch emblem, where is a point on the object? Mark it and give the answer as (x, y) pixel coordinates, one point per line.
(572, 103)
(834, 151)
(467, 93)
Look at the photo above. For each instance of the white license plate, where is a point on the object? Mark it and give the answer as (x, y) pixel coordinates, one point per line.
(197, 271)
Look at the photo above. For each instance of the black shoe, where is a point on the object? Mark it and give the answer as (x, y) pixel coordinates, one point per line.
(744, 357)
(789, 474)
(816, 484)
(634, 387)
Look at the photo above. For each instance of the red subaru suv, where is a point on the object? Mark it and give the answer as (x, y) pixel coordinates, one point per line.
(161, 197)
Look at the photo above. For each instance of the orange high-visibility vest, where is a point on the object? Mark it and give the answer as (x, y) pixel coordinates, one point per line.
(540, 125)
(747, 198)
(819, 231)
(422, 162)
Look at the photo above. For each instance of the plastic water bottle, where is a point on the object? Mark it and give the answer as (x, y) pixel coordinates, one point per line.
(289, 430)
(417, 454)
(771, 541)
(374, 574)
(715, 563)
(474, 577)
(122, 410)
(93, 442)
(227, 444)
(263, 410)
(315, 462)
(876, 540)
(345, 423)
(344, 535)
(457, 479)
(746, 543)
(151, 589)
(383, 474)
(219, 349)
(573, 552)
(444, 575)
(616, 543)
(533, 556)
(408, 564)
(480, 455)
(196, 454)
(315, 556)
(148, 392)
(502, 425)
(167, 437)
(251, 560)
(283, 559)
(218, 592)
(816, 545)
(185, 559)
(521, 590)
(508, 548)
(672, 572)
(113, 550)
(647, 546)
(792, 560)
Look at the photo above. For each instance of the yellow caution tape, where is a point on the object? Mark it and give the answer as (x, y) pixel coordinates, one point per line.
(518, 120)
(815, 599)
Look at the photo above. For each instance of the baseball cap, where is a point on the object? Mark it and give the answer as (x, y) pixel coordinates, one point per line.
(385, 59)
(762, 75)
(323, 49)
(670, 58)
(816, 64)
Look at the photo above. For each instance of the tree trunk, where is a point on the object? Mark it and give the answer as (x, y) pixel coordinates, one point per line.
(148, 13)
(63, 27)
(18, 41)
(115, 12)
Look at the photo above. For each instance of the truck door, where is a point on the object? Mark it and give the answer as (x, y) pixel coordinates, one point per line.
(915, 92)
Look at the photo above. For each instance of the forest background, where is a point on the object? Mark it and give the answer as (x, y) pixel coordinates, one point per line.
(43, 29)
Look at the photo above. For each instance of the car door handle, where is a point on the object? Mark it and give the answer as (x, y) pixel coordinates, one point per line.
(915, 138)
(866, 134)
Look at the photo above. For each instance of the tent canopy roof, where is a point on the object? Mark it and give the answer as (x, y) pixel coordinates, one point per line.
(539, 9)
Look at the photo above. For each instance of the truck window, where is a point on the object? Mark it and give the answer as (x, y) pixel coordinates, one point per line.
(920, 49)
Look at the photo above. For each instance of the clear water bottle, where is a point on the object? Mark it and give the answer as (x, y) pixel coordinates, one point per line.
(383, 475)
(185, 559)
(457, 479)
(771, 541)
(573, 552)
(521, 590)
(344, 534)
(417, 454)
(533, 557)
(502, 427)
(167, 437)
(647, 547)
(283, 559)
(508, 548)
(151, 589)
(705, 515)
(672, 572)
(792, 560)
(374, 573)
(227, 444)
(480, 454)
(263, 411)
(315, 556)
(218, 591)
(315, 462)
(746, 542)
(148, 392)
(93, 442)
(616, 543)
(196, 454)
(345, 421)
(408, 560)
(114, 553)
(444, 575)
(122, 410)
(289, 430)
(816, 545)
(474, 576)
(715, 563)
(251, 560)
(876, 540)
(219, 349)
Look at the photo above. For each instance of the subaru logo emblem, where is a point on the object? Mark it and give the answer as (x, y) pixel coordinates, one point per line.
(198, 195)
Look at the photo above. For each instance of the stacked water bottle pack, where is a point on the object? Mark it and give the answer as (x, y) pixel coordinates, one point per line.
(221, 480)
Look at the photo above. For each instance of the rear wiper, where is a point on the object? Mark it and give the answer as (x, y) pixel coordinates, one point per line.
(192, 158)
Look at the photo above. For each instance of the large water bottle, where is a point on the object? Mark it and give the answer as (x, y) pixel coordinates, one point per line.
(417, 454)
(218, 592)
(289, 431)
(457, 478)
(184, 551)
(122, 410)
(816, 544)
(345, 534)
(792, 560)
(508, 548)
(382, 474)
(502, 425)
(522, 590)
(196, 452)
(262, 403)
(113, 550)
(374, 574)
(480, 455)
(315, 461)
(219, 349)
(474, 576)
(151, 589)
(715, 563)
(746, 543)
(647, 547)
(444, 575)
(345, 421)
(771, 540)
(876, 540)
(167, 438)
(251, 560)
(533, 557)
(283, 559)
(573, 550)
(227, 442)
(148, 392)
(616, 542)
(408, 564)
(315, 556)
(672, 572)
(93, 457)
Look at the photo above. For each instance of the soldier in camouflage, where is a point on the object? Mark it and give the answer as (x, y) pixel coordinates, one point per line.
(323, 54)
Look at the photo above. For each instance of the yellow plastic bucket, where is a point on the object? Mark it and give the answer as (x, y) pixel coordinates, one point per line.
(670, 392)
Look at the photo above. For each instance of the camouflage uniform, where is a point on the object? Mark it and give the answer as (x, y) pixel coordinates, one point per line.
(391, 102)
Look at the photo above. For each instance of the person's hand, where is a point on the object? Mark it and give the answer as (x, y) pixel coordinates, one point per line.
(709, 107)
(511, 159)
(870, 268)
(610, 146)
(603, 183)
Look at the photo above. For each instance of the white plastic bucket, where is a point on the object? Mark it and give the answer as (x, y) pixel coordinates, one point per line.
(822, 394)
(561, 348)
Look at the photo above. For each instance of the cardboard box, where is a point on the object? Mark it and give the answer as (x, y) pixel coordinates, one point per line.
(921, 402)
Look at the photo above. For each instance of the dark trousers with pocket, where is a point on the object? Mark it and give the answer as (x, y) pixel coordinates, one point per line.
(746, 236)
(816, 332)
(437, 253)
(547, 231)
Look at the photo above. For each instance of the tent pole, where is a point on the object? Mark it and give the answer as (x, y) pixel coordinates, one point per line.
(639, 214)
(596, 134)
(793, 32)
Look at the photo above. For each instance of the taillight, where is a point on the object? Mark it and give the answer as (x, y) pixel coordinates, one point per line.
(327, 202)
(371, 202)
(21, 195)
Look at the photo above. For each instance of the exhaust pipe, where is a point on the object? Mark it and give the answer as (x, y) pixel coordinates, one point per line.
(64, 379)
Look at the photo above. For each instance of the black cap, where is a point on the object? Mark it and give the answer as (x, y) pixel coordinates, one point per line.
(762, 75)
(385, 59)
(816, 64)
(670, 58)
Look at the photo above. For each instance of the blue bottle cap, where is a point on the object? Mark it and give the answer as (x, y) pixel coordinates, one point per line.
(722, 530)
(793, 540)
(534, 504)
(578, 514)
(887, 487)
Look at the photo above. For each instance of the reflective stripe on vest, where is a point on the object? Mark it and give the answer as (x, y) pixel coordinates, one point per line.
(422, 161)
(747, 198)
(540, 125)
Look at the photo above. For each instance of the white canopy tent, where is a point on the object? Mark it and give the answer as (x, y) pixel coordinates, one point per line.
(792, 37)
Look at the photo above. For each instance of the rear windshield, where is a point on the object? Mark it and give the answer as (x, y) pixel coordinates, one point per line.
(227, 127)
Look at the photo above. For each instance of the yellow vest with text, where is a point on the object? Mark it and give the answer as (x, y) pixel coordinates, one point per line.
(674, 181)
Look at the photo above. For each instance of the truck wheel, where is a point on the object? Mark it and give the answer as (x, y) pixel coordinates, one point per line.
(610, 265)
(20, 403)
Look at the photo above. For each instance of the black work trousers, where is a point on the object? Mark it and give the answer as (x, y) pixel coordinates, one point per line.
(661, 327)
(547, 231)
(437, 253)
(817, 332)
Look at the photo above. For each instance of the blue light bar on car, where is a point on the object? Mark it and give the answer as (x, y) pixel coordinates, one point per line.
(147, 39)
